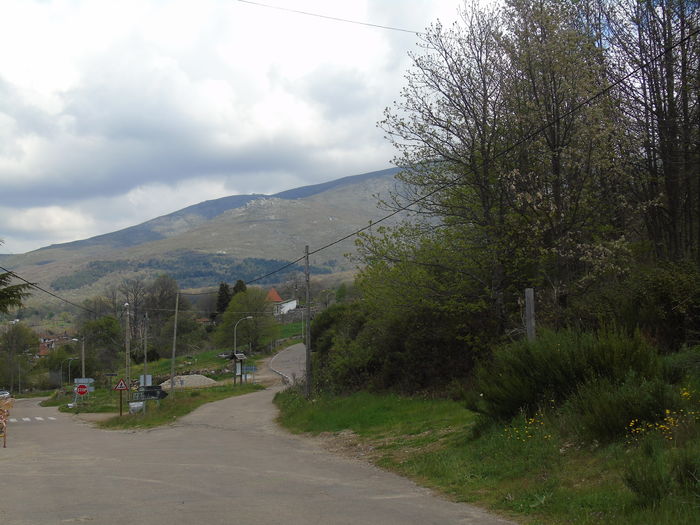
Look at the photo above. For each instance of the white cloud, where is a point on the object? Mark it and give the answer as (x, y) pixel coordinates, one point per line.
(112, 113)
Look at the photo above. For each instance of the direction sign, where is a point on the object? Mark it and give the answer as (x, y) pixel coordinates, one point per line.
(81, 390)
(121, 385)
(146, 393)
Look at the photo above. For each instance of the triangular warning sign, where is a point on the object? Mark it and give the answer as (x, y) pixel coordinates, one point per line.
(121, 385)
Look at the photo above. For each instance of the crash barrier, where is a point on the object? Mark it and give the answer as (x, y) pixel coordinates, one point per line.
(5, 406)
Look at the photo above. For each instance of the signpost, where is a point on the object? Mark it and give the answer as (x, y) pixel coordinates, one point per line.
(147, 393)
(121, 386)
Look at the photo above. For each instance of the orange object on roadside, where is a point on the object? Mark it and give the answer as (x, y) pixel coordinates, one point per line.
(5, 406)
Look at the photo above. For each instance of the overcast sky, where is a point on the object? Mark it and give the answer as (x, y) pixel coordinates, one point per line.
(113, 113)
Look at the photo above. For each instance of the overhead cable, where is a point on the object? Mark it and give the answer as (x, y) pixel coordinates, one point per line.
(327, 17)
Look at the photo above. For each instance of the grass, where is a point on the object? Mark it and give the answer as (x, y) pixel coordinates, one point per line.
(157, 413)
(523, 470)
(290, 330)
(207, 360)
(33, 393)
(176, 406)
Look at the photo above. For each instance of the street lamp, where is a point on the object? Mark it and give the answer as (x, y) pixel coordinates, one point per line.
(61, 369)
(234, 331)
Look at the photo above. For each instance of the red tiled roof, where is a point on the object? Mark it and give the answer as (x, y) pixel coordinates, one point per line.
(273, 296)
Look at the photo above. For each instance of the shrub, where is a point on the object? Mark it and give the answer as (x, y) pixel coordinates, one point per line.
(662, 301)
(524, 376)
(602, 410)
(647, 475)
(682, 364)
(685, 469)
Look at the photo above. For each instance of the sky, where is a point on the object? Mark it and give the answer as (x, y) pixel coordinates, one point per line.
(114, 113)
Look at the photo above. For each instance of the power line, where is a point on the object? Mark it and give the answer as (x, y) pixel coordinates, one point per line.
(438, 189)
(503, 152)
(327, 17)
(34, 285)
(277, 270)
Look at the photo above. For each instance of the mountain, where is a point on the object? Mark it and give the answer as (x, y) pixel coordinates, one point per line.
(235, 237)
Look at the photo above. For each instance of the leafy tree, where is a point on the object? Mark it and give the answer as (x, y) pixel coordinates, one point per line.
(662, 107)
(134, 293)
(159, 304)
(15, 344)
(510, 201)
(239, 287)
(565, 188)
(254, 332)
(103, 341)
(11, 295)
(341, 293)
(223, 298)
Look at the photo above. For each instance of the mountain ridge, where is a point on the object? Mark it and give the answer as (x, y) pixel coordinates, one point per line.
(239, 236)
(209, 209)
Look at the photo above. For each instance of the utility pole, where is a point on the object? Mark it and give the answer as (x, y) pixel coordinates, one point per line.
(172, 359)
(308, 320)
(82, 356)
(145, 347)
(127, 365)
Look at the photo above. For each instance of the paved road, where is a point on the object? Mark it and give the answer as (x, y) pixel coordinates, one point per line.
(227, 462)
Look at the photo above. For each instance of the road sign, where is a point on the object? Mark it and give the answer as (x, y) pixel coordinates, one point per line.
(121, 385)
(149, 393)
(81, 390)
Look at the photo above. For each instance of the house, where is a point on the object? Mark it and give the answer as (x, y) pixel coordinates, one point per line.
(46, 346)
(280, 306)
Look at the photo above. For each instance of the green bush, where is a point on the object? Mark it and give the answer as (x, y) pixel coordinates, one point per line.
(647, 474)
(525, 376)
(681, 365)
(663, 301)
(603, 410)
(657, 470)
(685, 469)
(418, 350)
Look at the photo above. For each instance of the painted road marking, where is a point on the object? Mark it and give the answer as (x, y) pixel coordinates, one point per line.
(29, 419)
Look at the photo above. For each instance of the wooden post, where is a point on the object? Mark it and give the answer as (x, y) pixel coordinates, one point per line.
(530, 313)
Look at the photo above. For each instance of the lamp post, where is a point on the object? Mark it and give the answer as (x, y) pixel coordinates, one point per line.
(235, 347)
(69, 360)
(61, 369)
(234, 331)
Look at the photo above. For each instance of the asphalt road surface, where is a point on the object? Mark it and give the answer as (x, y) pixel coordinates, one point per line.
(227, 462)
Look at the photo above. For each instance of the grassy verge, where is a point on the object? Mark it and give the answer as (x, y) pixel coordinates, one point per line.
(32, 394)
(175, 406)
(100, 401)
(523, 470)
(167, 410)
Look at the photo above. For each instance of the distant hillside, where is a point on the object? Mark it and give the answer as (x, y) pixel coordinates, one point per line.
(188, 218)
(236, 237)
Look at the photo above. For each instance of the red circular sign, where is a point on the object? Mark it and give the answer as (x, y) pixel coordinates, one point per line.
(81, 390)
